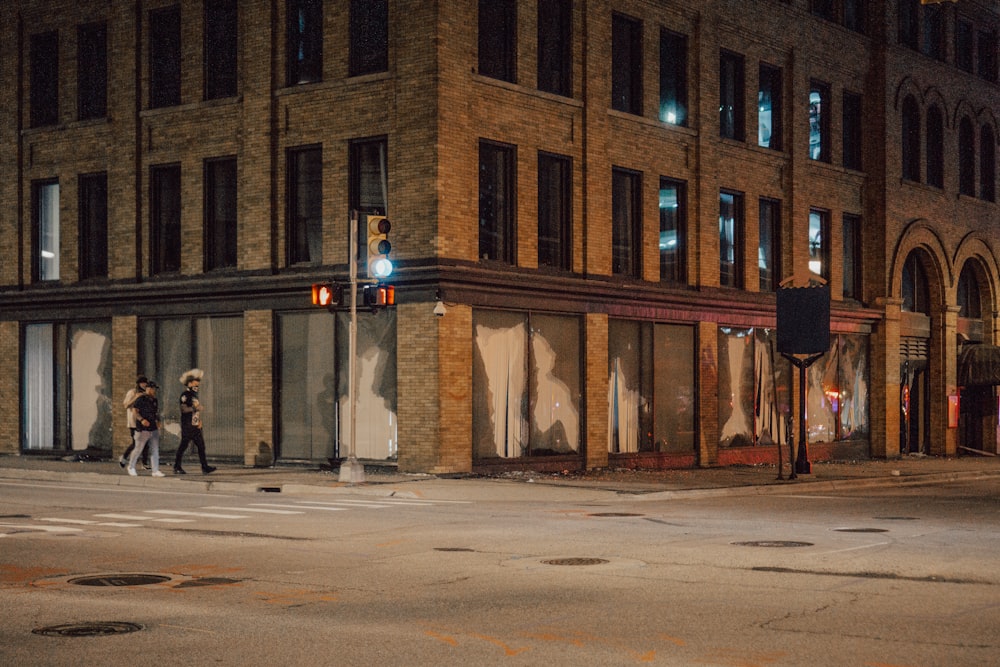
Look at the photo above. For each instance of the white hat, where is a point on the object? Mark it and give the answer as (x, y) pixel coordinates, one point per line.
(193, 374)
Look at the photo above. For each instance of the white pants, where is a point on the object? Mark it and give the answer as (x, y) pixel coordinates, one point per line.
(142, 440)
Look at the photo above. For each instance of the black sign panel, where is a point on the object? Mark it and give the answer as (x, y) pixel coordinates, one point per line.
(804, 320)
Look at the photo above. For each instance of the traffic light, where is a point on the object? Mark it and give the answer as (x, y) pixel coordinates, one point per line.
(379, 295)
(329, 295)
(379, 264)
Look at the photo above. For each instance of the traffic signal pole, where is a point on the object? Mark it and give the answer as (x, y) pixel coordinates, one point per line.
(351, 470)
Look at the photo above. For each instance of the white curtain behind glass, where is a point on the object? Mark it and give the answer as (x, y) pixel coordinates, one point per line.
(90, 402)
(503, 353)
(39, 412)
(48, 232)
(623, 411)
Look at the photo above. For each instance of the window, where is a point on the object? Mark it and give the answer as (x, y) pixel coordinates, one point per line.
(165, 218)
(497, 204)
(836, 391)
(731, 106)
(555, 47)
(769, 127)
(853, 135)
(964, 53)
(368, 183)
(966, 158)
(819, 121)
(935, 147)
(626, 64)
(909, 23)
(44, 63)
(987, 164)
(933, 45)
(93, 220)
(915, 287)
(498, 39)
(45, 213)
(768, 248)
(305, 205)
(673, 78)
(626, 222)
(856, 15)
(369, 37)
(910, 140)
(753, 388)
(304, 41)
(220, 53)
(731, 228)
(968, 297)
(220, 213)
(673, 231)
(819, 242)
(986, 61)
(554, 187)
(824, 8)
(851, 231)
(165, 57)
(91, 71)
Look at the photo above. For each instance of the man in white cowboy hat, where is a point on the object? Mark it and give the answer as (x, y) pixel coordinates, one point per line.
(191, 422)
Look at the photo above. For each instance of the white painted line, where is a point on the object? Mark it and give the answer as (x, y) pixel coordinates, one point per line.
(315, 504)
(252, 509)
(173, 520)
(82, 522)
(299, 507)
(120, 525)
(127, 517)
(46, 529)
(203, 515)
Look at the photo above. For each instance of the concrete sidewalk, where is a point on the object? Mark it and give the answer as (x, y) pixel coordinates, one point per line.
(520, 485)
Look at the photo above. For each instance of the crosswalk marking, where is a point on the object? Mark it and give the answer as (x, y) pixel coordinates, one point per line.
(330, 509)
(253, 509)
(126, 517)
(46, 529)
(204, 515)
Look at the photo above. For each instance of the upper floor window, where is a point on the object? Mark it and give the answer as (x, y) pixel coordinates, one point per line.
(555, 47)
(852, 256)
(43, 61)
(731, 234)
(626, 222)
(987, 164)
(935, 146)
(497, 202)
(673, 230)
(93, 225)
(673, 78)
(824, 8)
(731, 96)
(554, 221)
(968, 296)
(165, 218)
(933, 43)
(369, 37)
(966, 158)
(91, 71)
(368, 183)
(852, 129)
(986, 61)
(768, 247)
(304, 41)
(220, 213)
(305, 205)
(769, 126)
(964, 45)
(819, 121)
(221, 38)
(909, 23)
(819, 242)
(45, 215)
(856, 15)
(498, 39)
(915, 288)
(165, 57)
(910, 139)
(626, 64)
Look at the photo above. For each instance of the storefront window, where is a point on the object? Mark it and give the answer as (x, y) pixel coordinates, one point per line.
(754, 388)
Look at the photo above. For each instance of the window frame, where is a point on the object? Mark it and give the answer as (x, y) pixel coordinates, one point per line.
(966, 157)
(852, 258)
(626, 64)
(91, 71)
(497, 39)
(732, 95)
(673, 263)
(673, 78)
(910, 139)
(821, 126)
(731, 270)
(555, 47)
(368, 37)
(303, 42)
(772, 77)
(626, 222)
(852, 127)
(165, 218)
(497, 202)
(819, 218)
(221, 213)
(304, 168)
(934, 146)
(769, 244)
(92, 194)
(987, 163)
(220, 60)
(555, 174)
(45, 231)
(43, 60)
(165, 56)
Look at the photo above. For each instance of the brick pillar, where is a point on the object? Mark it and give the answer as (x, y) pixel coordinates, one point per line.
(708, 395)
(595, 391)
(258, 388)
(10, 392)
(944, 382)
(124, 369)
(883, 403)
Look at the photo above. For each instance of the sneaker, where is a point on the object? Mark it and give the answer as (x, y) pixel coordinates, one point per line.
(179, 470)
(121, 461)
(207, 469)
(132, 472)
(157, 473)
(145, 466)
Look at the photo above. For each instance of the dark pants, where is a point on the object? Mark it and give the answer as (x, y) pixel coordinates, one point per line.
(192, 436)
(131, 446)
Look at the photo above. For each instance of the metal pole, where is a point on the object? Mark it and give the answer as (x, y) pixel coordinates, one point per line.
(351, 470)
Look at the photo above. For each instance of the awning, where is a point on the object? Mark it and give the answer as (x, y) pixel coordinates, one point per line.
(979, 365)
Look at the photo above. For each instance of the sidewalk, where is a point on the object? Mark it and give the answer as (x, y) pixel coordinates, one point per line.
(606, 484)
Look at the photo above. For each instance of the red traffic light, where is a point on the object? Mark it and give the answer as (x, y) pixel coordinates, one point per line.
(326, 294)
(380, 295)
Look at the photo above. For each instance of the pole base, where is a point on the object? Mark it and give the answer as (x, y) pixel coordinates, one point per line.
(352, 471)
(803, 467)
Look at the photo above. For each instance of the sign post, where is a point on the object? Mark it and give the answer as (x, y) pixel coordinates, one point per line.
(351, 470)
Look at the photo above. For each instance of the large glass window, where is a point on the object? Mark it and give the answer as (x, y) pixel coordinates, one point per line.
(673, 231)
(837, 391)
(731, 232)
(853, 134)
(910, 140)
(304, 41)
(91, 71)
(768, 248)
(369, 37)
(651, 387)
(305, 205)
(935, 147)
(220, 213)
(819, 242)
(220, 52)
(933, 43)
(626, 222)
(819, 121)
(498, 39)
(626, 64)
(987, 164)
(731, 96)
(769, 127)
(964, 45)
(852, 256)
(165, 57)
(909, 23)
(754, 388)
(45, 214)
(966, 158)
(673, 78)
(93, 219)
(986, 55)
(497, 202)
(526, 385)
(968, 296)
(165, 218)
(555, 46)
(554, 187)
(43, 57)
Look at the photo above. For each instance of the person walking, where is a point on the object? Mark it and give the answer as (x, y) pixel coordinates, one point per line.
(130, 396)
(191, 422)
(147, 430)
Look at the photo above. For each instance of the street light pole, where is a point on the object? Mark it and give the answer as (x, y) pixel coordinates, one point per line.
(351, 470)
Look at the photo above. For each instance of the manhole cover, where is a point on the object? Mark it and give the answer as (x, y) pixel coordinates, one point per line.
(120, 580)
(862, 530)
(88, 629)
(575, 561)
(452, 549)
(772, 543)
(614, 514)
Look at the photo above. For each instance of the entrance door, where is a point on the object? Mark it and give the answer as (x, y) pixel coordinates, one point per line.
(915, 416)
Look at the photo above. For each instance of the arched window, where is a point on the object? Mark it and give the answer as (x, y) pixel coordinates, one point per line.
(966, 158)
(987, 164)
(911, 139)
(935, 147)
(969, 302)
(916, 294)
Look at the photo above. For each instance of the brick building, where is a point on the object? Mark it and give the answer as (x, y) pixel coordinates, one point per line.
(593, 204)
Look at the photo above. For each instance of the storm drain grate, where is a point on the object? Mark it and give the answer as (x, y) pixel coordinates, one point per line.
(772, 543)
(614, 514)
(862, 530)
(120, 580)
(575, 561)
(88, 629)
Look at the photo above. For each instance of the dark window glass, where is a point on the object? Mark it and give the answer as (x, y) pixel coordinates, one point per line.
(987, 55)
(966, 158)
(731, 96)
(909, 23)
(824, 8)
(910, 140)
(853, 135)
(555, 47)
(626, 64)
(220, 213)
(93, 194)
(165, 218)
(731, 233)
(626, 222)
(987, 164)
(369, 35)
(165, 57)
(935, 147)
(933, 45)
(221, 33)
(852, 256)
(768, 250)
(969, 300)
(305, 205)
(498, 39)
(856, 15)
(915, 288)
(368, 184)
(304, 41)
(44, 81)
(819, 121)
(673, 78)
(819, 242)
(92, 71)
(769, 126)
(45, 230)
(554, 187)
(497, 204)
(673, 231)
(964, 47)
